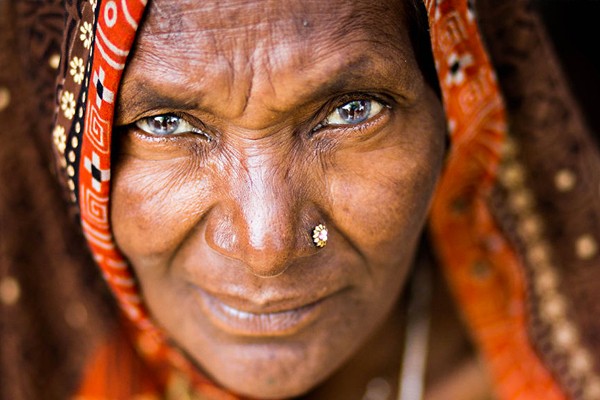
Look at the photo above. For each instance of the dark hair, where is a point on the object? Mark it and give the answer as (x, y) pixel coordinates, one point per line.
(418, 24)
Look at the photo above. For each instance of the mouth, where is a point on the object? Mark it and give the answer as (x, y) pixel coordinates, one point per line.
(239, 320)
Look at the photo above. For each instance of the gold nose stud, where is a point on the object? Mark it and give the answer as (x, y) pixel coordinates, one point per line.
(320, 235)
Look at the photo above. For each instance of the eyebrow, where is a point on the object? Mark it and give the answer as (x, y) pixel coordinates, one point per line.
(140, 96)
(350, 72)
(145, 97)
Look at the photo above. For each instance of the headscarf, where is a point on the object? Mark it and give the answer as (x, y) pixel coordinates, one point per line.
(505, 282)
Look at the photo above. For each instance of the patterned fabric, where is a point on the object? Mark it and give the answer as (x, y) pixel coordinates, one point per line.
(482, 262)
(505, 267)
(493, 303)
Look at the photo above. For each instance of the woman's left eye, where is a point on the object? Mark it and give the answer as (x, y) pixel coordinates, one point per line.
(353, 112)
(165, 124)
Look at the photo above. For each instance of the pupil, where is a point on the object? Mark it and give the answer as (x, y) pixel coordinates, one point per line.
(355, 111)
(165, 124)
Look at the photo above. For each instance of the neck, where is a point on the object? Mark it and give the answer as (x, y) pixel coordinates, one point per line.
(376, 364)
(451, 362)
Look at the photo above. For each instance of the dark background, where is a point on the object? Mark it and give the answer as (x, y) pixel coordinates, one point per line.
(574, 26)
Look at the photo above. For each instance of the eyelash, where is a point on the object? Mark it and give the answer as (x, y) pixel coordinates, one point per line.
(143, 123)
(182, 119)
(345, 100)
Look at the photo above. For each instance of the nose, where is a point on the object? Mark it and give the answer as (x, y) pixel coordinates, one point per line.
(264, 220)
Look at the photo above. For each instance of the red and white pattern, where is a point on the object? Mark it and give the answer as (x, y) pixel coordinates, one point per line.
(115, 33)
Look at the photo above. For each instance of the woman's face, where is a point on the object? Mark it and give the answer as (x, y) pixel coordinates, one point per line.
(243, 126)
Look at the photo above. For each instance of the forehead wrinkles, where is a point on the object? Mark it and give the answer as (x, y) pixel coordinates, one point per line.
(184, 16)
(238, 42)
(222, 26)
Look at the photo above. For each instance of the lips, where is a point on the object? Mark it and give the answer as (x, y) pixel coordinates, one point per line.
(240, 318)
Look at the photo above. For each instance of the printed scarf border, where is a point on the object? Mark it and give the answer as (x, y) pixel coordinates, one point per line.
(99, 36)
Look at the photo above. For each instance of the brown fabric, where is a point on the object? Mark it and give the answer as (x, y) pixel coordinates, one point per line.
(46, 335)
(561, 169)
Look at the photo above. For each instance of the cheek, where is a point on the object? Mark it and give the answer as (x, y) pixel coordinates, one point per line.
(154, 204)
(381, 198)
(380, 208)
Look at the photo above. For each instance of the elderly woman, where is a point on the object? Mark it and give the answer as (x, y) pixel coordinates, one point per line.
(254, 180)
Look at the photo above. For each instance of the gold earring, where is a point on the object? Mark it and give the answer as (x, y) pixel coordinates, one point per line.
(320, 235)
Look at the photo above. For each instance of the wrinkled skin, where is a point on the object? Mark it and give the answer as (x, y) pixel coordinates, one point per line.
(222, 216)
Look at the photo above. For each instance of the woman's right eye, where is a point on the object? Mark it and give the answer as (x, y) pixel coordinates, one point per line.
(167, 124)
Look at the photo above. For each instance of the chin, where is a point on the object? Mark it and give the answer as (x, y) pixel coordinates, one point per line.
(271, 371)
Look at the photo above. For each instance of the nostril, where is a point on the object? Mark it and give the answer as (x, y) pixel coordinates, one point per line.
(220, 237)
(263, 249)
(266, 266)
(266, 250)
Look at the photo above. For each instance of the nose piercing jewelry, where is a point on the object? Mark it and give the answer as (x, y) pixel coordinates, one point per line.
(320, 235)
